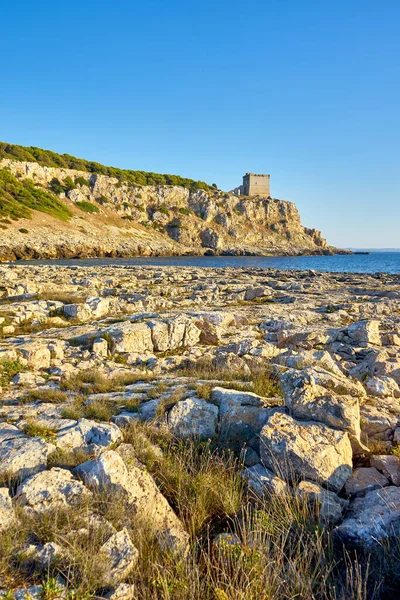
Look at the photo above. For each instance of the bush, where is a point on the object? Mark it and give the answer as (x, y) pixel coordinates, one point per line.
(8, 370)
(82, 181)
(23, 230)
(56, 187)
(164, 209)
(68, 184)
(19, 198)
(52, 159)
(175, 222)
(87, 207)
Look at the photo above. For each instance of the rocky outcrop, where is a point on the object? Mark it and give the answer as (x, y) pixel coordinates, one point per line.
(152, 360)
(128, 220)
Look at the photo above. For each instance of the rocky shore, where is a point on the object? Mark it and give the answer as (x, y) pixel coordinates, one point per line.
(293, 378)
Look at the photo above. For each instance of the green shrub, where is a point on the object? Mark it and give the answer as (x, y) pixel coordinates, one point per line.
(82, 181)
(175, 222)
(36, 429)
(164, 209)
(56, 187)
(185, 211)
(87, 207)
(19, 198)
(8, 370)
(68, 184)
(52, 159)
(23, 230)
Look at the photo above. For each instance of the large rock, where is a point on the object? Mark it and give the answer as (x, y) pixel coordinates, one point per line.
(389, 465)
(50, 489)
(383, 387)
(363, 480)
(9, 432)
(193, 418)
(93, 308)
(306, 400)
(306, 450)
(364, 332)
(174, 333)
(141, 491)
(342, 386)
(131, 337)
(88, 435)
(213, 326)
(330, 506)
(372, 520)
(262, 481)
(160, 336)
(305, 358)
(79, 312)
(99, 307)
(378, 422)
(22, 456)
(241, 414)
(121, 557)
(37, 355)
(106, 471)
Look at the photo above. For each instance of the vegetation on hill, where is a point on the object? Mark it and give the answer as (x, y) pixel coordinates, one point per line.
(18, 197)
(65, 161)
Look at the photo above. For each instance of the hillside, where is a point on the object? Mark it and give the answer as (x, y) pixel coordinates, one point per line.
(56, 206)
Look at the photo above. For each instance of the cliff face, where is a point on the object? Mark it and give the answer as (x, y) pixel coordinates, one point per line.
(132, 220)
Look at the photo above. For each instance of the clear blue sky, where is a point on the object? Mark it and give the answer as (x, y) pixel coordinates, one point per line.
(307, 91)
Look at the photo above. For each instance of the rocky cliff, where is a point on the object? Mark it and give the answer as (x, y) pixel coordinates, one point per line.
(107, 216)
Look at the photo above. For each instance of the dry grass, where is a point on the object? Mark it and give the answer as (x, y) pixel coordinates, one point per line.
(262, 381)
(99, 409)
(63, 296)
(169, 401)
(68, 459)
(203, 390)
(46, 396)
(36, 429)
(95, 382)
(282, 553)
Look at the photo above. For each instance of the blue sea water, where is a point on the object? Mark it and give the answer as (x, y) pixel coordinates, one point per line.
(375, 262)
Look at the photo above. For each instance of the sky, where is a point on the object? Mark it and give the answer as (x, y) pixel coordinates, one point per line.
(307, 91)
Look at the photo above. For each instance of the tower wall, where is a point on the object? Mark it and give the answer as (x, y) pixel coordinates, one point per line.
(256, 185)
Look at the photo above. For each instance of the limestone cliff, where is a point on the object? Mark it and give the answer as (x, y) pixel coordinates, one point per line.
(128, 220)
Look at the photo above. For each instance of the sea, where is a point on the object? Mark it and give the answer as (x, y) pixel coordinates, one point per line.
(374, 262)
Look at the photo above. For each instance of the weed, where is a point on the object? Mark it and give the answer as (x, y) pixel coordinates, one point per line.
(35, 429)
(8, 370)
(46, 396)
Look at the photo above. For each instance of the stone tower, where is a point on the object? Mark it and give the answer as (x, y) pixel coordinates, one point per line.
(256, 185)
